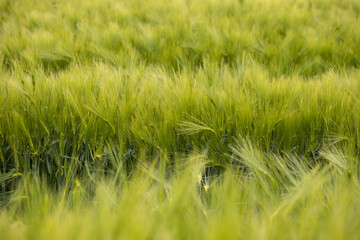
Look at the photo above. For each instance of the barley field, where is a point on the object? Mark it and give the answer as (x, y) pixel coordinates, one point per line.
(179, 119)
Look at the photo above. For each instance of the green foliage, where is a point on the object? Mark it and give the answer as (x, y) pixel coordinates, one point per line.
(276, 197)
(191, 119)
